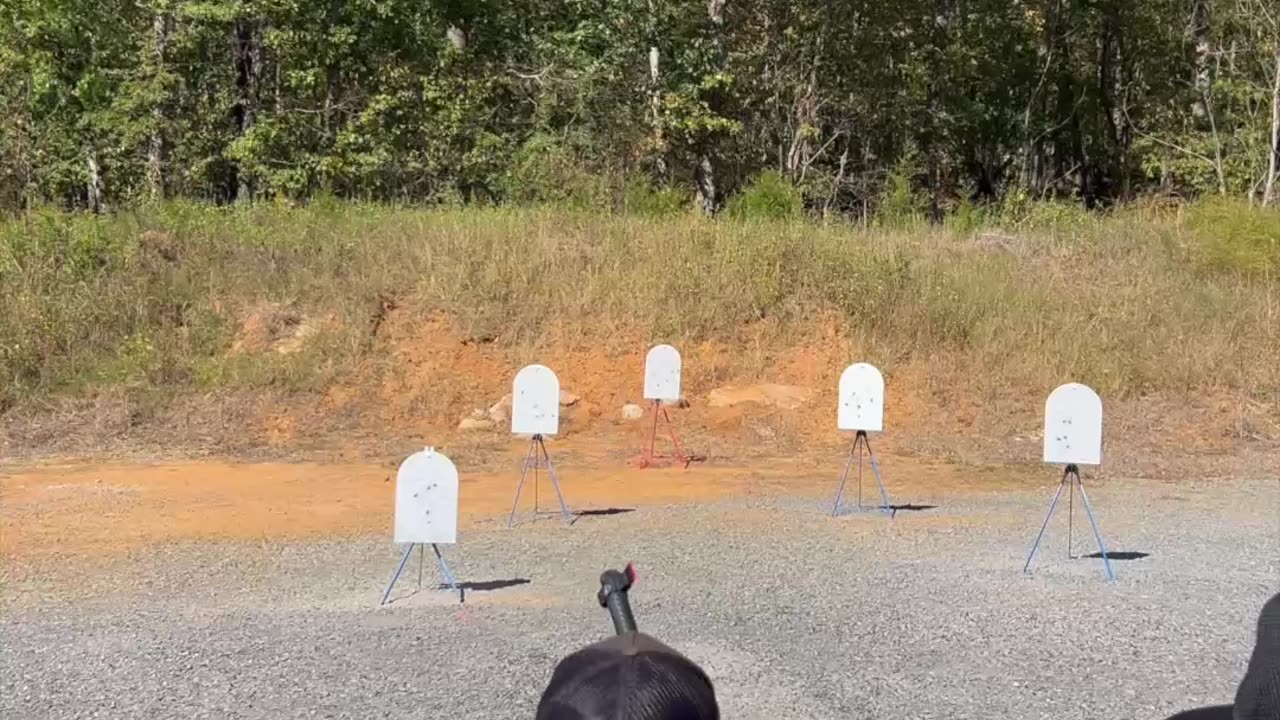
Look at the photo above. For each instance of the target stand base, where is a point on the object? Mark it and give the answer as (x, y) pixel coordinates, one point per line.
(649, 457)
(1071, 481)
(537, 458)
(860, 444)
(445, 572)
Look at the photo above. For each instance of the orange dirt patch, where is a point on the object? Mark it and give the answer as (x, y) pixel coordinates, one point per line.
(94, 511)
(116, 508)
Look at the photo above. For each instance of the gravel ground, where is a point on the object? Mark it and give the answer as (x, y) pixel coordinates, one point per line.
(793, 614)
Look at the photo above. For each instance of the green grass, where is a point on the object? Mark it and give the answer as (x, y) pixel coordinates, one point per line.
(1134, 301)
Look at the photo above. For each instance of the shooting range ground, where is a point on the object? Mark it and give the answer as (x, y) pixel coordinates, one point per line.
(211, 589)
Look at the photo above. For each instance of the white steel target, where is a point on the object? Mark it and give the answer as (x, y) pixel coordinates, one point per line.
(662, 373)
(535, 401)
(861, 399)
(426, 499)
(1073, 426)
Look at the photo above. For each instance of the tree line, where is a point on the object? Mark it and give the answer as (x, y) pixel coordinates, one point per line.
(112, 102)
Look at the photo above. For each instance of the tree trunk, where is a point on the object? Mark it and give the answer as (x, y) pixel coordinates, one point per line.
(248, 67)
(456, 37)
(93, 189)
(1269, 191)
(705, 174)
(155, 143)
(805, 120)
(933, 129)
(1201, 14)
(655, 114)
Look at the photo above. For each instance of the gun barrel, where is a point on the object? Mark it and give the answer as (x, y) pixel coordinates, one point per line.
(613, 595)
(620, 613)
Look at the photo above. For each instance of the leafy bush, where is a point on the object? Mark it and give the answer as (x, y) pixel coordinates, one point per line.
(1234, 237)
(899, 204)
(769, 196)
(545, 172)
(642, 199)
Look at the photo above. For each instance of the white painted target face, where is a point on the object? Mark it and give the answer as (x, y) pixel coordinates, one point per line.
(662, 373)
(427, 499)
(1073, 426)
(861, 398)
(535, 402)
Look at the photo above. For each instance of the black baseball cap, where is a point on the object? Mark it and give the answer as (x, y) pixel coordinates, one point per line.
(628, 677)
(1258, 697)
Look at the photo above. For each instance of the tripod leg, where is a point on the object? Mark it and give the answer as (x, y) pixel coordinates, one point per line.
(446, 572)
(863, 439)
(1071, 516)
(395, 577)
(1048, 515)
(420, 554)
(1102, 548)
(646, 454)
(875, 468)
(555, 480)
(675, 442)
(835, 507)
(524, 470)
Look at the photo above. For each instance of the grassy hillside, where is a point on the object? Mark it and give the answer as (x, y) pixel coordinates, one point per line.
(181, 299)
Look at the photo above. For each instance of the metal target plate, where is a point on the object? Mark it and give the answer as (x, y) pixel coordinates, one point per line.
(535, 401)
(861, 399)
(662, 373)
(1073, 426)
(426, 499)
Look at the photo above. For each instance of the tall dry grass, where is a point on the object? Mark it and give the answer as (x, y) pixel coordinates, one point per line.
(1136, 300)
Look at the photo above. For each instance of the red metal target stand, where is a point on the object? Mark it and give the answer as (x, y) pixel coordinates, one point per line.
(648, 456)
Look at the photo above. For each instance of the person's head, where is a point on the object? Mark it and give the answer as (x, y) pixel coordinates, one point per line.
(628, 677)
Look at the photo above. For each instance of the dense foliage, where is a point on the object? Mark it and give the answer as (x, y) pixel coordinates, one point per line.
(851, 103)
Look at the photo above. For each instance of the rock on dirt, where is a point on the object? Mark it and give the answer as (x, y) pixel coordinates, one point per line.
(568, 399)
(500, 411)
(273, 327)
(631, 411)
(471, 423)
(785, 397)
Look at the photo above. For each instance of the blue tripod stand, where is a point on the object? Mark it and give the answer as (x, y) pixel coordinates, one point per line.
(1071, 481)
(444, 571)
(860, 441)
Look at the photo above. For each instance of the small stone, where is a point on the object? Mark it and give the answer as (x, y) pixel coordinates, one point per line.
(631, 411)
(500, 412)
(568, 399)
(475, 424)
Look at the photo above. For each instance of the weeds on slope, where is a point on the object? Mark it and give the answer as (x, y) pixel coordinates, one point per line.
(1136, 300)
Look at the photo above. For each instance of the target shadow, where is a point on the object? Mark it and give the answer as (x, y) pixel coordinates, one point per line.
(1118, 555)
(463, 588)
(602, 512)
(850, 510)
(486, 585)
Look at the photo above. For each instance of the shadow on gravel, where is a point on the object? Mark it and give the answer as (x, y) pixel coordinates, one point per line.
(579, 514)
(487, 585)
(1120, 555)
(893, 509)
(463, 587)
(912, 508)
